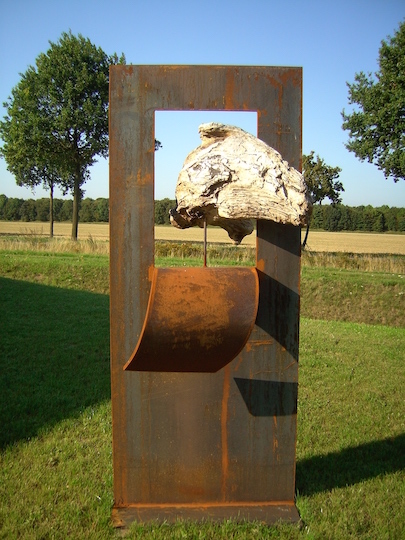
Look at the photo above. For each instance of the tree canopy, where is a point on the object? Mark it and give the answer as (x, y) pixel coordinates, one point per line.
(57, 120)
(25, 133)
(322, 181)
(377, 125)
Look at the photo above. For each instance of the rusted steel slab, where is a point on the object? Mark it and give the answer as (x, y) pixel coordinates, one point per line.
(264, 512)
(206, 439)
(198, 319)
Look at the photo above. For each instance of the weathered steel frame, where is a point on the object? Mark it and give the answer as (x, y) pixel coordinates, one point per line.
(202, 445)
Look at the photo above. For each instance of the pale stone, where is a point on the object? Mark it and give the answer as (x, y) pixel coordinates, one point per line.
(233, 178)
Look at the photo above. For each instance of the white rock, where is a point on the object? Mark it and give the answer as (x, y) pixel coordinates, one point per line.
(233, 178)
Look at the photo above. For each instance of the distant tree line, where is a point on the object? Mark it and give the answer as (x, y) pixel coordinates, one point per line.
(329, 217)
(15, 209)
(339, 217)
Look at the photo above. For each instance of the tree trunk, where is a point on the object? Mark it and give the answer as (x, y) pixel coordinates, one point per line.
(76, 204)
(304, 243)
(51, 210)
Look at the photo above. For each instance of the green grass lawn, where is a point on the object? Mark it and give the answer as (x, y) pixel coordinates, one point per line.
(55, 435)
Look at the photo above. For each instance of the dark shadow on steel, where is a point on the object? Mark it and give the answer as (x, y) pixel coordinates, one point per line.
(268, 398)
(198, 319)
(276, 237)
(275, 297)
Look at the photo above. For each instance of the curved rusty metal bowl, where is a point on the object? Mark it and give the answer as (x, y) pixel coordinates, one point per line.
(197, 320)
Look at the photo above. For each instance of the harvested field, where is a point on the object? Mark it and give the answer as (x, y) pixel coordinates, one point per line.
(350, 242)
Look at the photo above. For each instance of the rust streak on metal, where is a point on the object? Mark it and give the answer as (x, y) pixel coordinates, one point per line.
(144, 180)
(229, 90)
(252, 343)
(224, 433)
(209, 505)
(205, 241)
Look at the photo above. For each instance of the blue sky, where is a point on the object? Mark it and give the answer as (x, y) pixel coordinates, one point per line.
(331, 40)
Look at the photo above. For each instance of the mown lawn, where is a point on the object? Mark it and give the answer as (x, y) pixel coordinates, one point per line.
(55, 435)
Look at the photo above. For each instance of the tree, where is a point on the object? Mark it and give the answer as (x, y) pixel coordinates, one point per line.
(377, 126)
(3, 202)
(26, 132)
(401, 219)
(57, 205)
(12, 209)
(162, 211)
(66, 211)
(28, 210)
(346, 219)
(102, 208)
(57, 120)
(322, 183)
(87, 210)
(332, 217)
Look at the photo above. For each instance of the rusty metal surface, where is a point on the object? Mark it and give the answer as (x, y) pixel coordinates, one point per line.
(204, 442)
(198, 319)
(265, 513)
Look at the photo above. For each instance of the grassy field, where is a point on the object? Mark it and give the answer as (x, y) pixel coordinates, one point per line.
(55, 436)
(340, 292)
(318, 241)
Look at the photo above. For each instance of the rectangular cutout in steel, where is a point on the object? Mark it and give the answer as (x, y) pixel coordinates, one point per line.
(178, 133)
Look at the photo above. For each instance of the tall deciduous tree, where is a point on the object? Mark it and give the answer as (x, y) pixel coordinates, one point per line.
(26, 133)
(377, 125)
(57, 120)
(322, 182)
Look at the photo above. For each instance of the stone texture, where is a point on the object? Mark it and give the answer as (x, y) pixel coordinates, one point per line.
(233, 178)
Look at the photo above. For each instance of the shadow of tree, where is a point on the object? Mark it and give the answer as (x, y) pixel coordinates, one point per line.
(350, 466)
(54, 356)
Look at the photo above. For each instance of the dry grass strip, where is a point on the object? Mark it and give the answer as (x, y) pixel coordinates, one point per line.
(319, 241)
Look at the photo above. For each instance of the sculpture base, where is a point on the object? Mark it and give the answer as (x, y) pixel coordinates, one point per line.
(268, 513)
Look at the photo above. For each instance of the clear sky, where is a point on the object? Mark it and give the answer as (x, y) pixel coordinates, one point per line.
(331, 40)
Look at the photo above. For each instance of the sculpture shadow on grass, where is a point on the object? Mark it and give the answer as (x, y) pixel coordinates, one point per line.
(54, 356)
(336, 469)
(350, 465)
